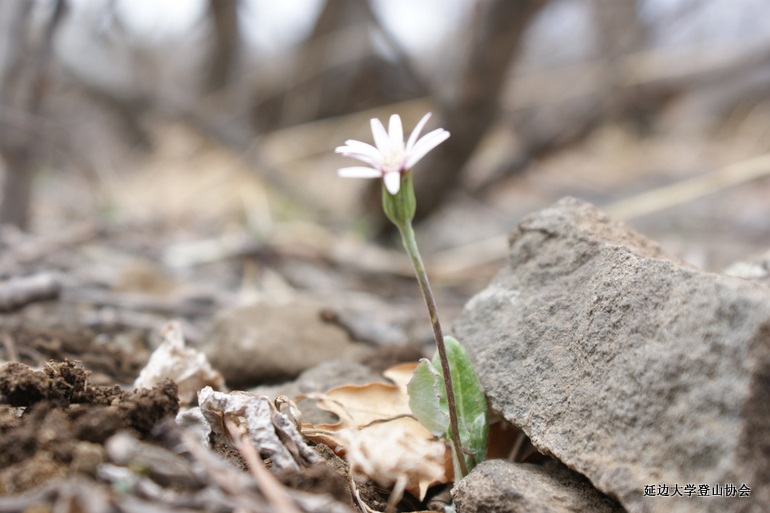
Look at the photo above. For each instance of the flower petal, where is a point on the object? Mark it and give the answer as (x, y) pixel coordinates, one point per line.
(381, 139)
(416, 132)
(392, 182)
(396, 133)
(357, 146)
(359, 172)
(424, 145)
(361, 151)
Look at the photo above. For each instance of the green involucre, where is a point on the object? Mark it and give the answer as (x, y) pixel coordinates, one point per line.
(400, 207)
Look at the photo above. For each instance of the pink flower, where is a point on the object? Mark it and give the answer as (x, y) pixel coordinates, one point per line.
(390, 158)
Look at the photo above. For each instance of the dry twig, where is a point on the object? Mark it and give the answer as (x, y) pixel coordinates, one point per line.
(134, 301)
(690, 189)
(268, 484)
(225, 476)
(17, 292)
(11, 354)
(34, 248)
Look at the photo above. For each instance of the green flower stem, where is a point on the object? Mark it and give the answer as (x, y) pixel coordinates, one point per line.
(410, 244)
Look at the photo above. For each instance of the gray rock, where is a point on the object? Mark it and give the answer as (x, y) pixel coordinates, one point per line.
(630, 367)
(499, 486)
(267, 343)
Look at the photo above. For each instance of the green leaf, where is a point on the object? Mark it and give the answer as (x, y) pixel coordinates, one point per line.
(427, 399)
(471, 402)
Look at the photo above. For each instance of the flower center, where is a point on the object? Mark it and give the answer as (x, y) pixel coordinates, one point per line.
(393, 161)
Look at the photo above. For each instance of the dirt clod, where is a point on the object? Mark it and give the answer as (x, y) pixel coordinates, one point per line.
(56, 414)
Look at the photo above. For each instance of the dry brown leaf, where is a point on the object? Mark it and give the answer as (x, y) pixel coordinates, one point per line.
(379, 437)
(400, 375)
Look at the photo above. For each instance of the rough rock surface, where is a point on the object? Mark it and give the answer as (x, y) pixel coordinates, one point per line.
(266, 343)
(632, 368)
(500, 486)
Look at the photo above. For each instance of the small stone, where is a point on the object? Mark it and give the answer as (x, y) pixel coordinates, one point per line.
(87, 457)
(267, 343)
(160, 464)
(499, 486)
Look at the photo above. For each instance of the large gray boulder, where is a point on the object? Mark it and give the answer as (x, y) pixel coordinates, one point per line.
(632, 368)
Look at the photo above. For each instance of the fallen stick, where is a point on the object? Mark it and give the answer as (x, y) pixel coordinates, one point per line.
(33, 248)
(17, 292)
(225, 477)
(139, 302)
(11, 354)
(690, 189)
(271, 488)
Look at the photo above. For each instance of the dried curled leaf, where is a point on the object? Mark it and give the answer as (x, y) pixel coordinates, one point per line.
(273, 433)
(394, 451)
(379, 437)
(188, 368)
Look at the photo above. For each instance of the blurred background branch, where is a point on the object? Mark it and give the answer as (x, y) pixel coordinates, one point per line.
(106, 100)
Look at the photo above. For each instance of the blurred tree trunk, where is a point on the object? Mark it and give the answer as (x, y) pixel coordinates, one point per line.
(22, 90)
(223, 15)
(471, 109)
(336, 71)
(619, 32)
(314, 98)
(16, 185)
(335, 15)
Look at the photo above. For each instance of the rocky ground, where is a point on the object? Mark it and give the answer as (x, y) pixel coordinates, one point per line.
(633, 374)
(88, 413)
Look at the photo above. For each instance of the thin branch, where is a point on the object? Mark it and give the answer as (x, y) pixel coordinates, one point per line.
(17, 292)
(270, 486)
(690, 189)
(226, 477)
(11, 354)
(38, 248)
